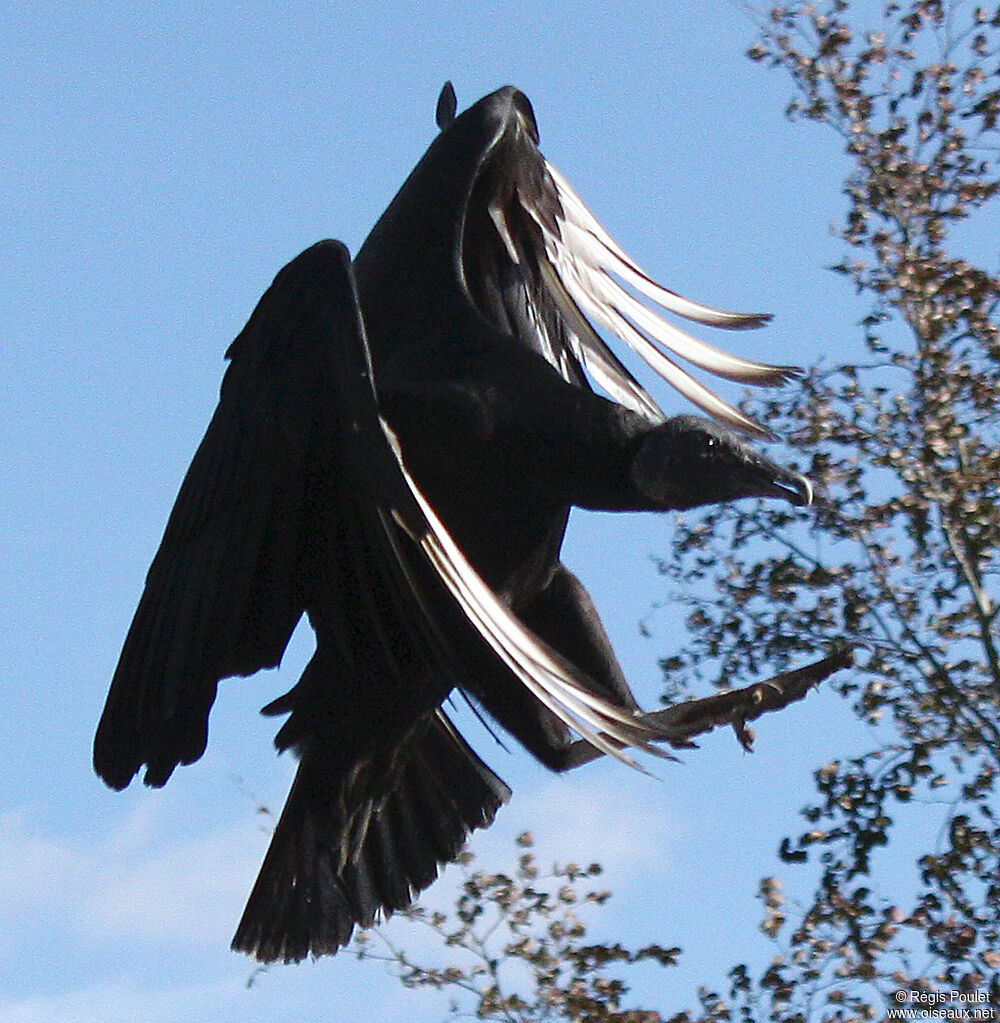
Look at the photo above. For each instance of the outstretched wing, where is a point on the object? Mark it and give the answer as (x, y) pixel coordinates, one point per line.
(231, 577)
(254, 537)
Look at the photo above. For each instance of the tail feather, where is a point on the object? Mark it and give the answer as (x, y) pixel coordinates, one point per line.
(348, 850)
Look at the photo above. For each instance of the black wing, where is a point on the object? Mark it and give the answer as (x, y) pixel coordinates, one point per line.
(231, 577)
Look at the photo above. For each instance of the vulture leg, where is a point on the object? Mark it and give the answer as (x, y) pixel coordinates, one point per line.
(563, 614)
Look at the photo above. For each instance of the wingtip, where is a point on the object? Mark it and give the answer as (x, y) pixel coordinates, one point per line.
(750, 321)
(114, 777)
(808, 492)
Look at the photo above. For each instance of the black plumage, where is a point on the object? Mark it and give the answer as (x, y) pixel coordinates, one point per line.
(397, 446)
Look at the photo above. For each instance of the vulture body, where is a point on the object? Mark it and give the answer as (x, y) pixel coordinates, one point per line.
(397, 445)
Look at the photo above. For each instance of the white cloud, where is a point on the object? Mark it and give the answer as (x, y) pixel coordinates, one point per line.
(603, 812)
(30, 864)
(149, 904)
(116, 1003)
(145, 881)
(133, 926)
(193, 888)
(618, 818)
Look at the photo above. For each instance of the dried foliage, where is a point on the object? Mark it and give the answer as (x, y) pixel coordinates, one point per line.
(899, 558)
(518, 949)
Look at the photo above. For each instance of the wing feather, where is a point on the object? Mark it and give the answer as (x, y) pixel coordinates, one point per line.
(225, 589)
(574, 277)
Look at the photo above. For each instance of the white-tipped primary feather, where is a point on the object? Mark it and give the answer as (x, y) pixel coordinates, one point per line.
(598, 359)
(700, 353)
(541, 669)
(578, 263)
(587, 293)
(616, 259)
(499, 217)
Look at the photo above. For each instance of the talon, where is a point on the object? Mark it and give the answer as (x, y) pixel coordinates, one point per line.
(744, 734)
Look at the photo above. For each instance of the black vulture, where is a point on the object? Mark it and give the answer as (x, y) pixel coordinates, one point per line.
(396, 448)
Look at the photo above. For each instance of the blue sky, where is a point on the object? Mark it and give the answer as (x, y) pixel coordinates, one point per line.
(160, 164)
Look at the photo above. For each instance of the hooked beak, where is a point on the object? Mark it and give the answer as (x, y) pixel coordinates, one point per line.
(784, 483)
